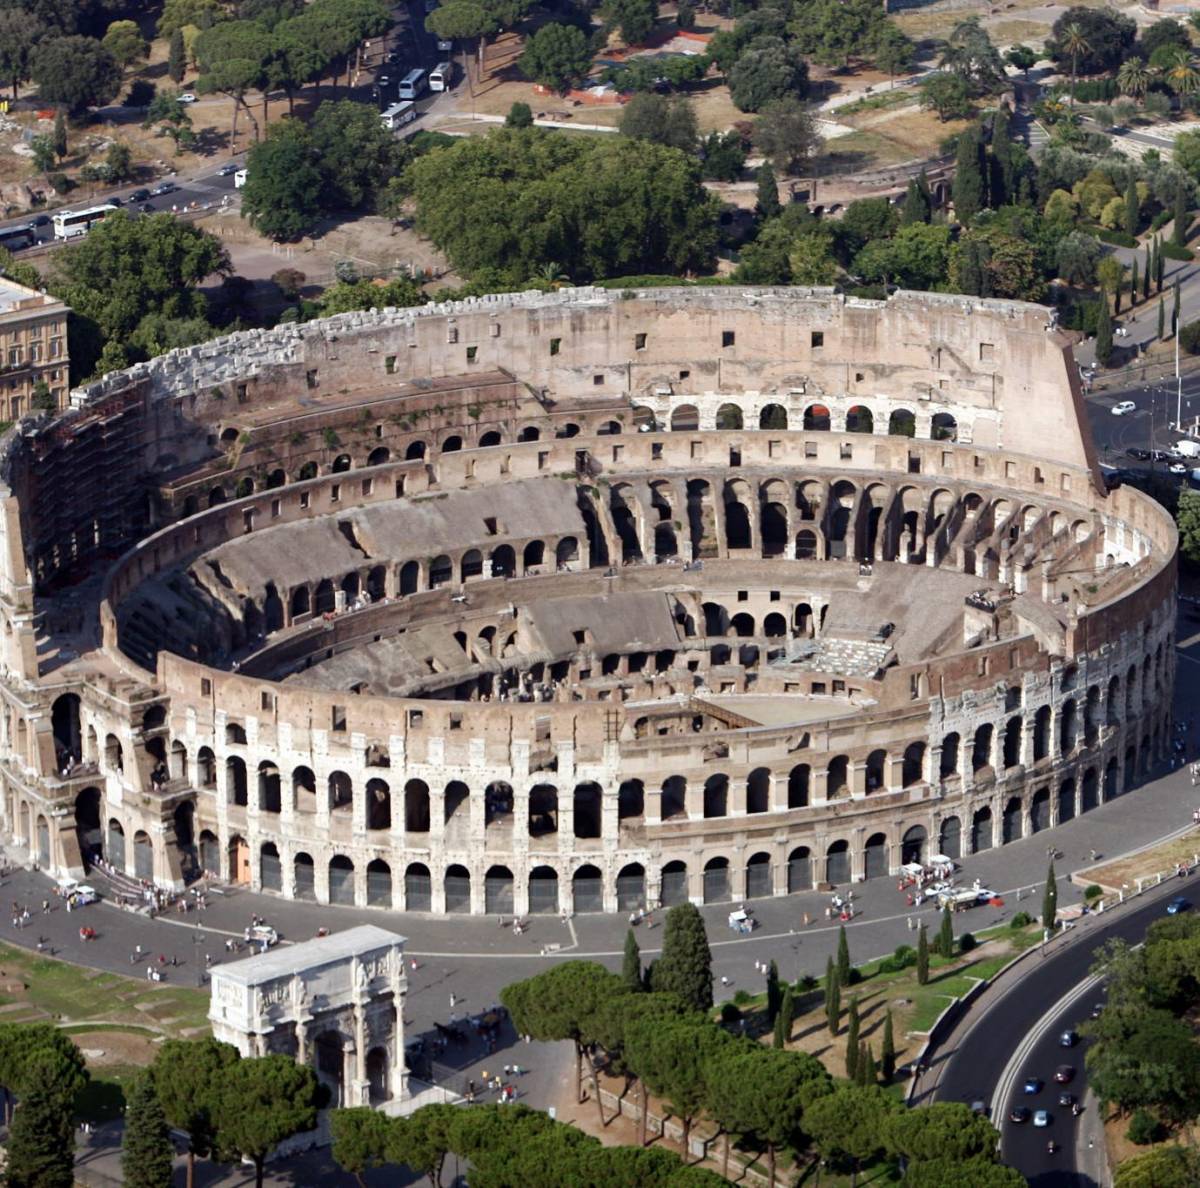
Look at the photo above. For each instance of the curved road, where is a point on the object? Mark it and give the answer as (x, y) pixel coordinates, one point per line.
(1053, 993)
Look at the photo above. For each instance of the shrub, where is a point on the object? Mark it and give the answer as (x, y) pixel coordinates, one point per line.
(1093, 891)
(742, 997)
(729, 1013)
(967, 942)
(1021, 919)
(904, 957)
(1172, 252)
(1160, 220)
(1145, 1128)
(805, 984)
(1115, 237)
(1189, 338)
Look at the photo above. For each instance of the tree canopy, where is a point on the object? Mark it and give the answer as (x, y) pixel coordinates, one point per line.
(76, 72)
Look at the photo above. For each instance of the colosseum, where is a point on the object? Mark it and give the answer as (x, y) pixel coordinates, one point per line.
(582, 600)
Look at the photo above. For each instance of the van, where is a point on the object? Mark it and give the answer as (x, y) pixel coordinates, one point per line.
(1123, 408)
(398, 115)
(239, 179)
(441, 78)
(1187, 448)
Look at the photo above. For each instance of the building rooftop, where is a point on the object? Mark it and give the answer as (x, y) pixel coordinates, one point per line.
(13, 296)
(293, 959)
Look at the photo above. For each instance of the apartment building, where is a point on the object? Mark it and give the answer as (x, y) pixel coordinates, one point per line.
(33, 349)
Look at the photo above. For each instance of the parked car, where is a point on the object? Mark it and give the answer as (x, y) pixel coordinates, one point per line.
(1177, 905)
(1064, 1074)
(1138, 454)
(1041, 1118)
(1019, 1114)
(187, 97)
(1123, 408)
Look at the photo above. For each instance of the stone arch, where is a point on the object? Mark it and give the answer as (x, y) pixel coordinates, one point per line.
(1039, 811)
(902, 423)
(759, 878)
(235, 781)
(452, 444)
(1066, 801)
(631, 887)
(729, 416)
(456, 885)
(816, 418)
(1011, 825)
(65, 727)
(914, 845)
(88, 830)
(758, 791)
(716, 881)
(944, 427)
(798, 786)
(270, 867)
(860, 419)
(773, 416)
(800, 873)
(838, 777)
(981, 830)
(379, 883)
(543, 891)
(674, 798)
(415, 451)
(300, 602)
(876, 771)
(685, 418)
(875, 856)
(587, 889)
(270, 799)
(716, 795)
(418, 888)
(913, 767)
(379, 807)
(950, 838)
(379, 455)
(341, 792)
(341, 879)
(837, 862)
(673, 883)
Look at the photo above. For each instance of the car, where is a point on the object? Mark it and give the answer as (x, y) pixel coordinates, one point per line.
(1041, 1118)
(1138, 454)
(187, 97)
(445, 45)
(979, 1107)
(383, 80)
(1177, 905)
(1033, 1085)
(1019, 1114)
(1064, 1074)
(1123, 408)
(163, 188)
(1178, 468)
(1066, 1100)
(1097, 1010)
(1068, 1039)
(262, 935)
(146, 208)
(139, 195)
(1159, 456)
(230, 167)
(116, 201)
(42, 220)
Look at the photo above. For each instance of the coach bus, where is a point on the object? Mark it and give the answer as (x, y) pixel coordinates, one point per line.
(70, 223)
(441, 78)
(413, 84)
(13, 239)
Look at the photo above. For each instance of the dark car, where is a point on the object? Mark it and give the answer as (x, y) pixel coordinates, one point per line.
(1020, 1114)
(42, 220)
(1177, 905)
(139, 195)
(117, 201)
(1160, 456)
(1097, 1010)
(1138, 453)
(228, 168)
(146, 208)
(164, 188)
(1068, 1039)
(1033, 1085)
(1064, 1074)
(1066, 1100)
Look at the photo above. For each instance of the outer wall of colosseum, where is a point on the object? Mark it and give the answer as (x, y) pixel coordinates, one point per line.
(580, 600)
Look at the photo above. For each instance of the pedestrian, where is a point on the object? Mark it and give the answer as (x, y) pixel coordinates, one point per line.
(45, 906)
(453, 999)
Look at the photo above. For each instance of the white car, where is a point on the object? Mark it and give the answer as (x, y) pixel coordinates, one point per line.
(1178, 468)
(1123, 408)
(187, 97)
(1041, 1118)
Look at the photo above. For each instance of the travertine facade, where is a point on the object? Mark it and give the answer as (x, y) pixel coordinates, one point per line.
(581, 600)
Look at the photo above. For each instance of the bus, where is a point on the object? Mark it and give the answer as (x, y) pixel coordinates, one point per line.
(398, 115)
(442, 77)
(69, 223)
(13, 239)
(413, 84)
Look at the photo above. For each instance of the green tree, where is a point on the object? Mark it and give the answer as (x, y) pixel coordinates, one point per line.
(1076, 257)
(843, 957)
(724, 156)
(942, 1129)
(125, 42)
(261, 1103)
(922, 955)
(172, 119)
(785, 1018)
(188, 1075)
(1104, 339)
(199, 13)
(918, 202)
(1074, 43)
(833, 998)
(894, 51)
(973, 1173)
(1146, 274)
(660, 119)
(520, 115)
(786, 134)
(852, 1040)
(970, 180)
(41, 1140)
(232, 57)
(970, 54)
(685, 17)
(354, 152)
(850, 1123)
(887, 1059)
(75, 72)
(774, 992)
(945, 938)
(1132, 206)
(1158, 264)
(947, 94)
(767, 205)
(916, 257)
(631, 966)
(147, 1154)
(867, 1070)
(633, 19)
(1145, 1058)
(1164, 1167)
(58, 138)
(42, 152)
(673, 1058)
(832, 32)
(42, 399)
(360, 1140)
(176, 58)
(556, 56)
(685, 967)
(118, 162)
(1133, 282)
(768, 71)
(1050, 899)
(1022, 57)
(283, 184)
(20, 31)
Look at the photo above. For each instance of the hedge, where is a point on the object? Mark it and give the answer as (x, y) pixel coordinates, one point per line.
(1185, 255)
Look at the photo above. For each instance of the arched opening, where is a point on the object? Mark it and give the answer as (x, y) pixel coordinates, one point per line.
(116, 847)
(799, 874)
(491, 438)
(685, 418)
(716, 796)
(341, 792)
(876, 773)
(759, 881)
(567, 430)
(837, 862)
(631, 887)
(1041, 733)
(674, 798)
(379, 807)
(673, 887)
(238, 853)
(902, 423)
(914, 845)
(774, 528)
(324, 600)
(950, 838)
(410, 576)
(773, 416)
(1039, 811)
(798, 781)
(587, 890)
(304, 790)
(875, 856)
(806, 545)
(716, 881)
(272, 609)
(1066, 801)
(378, 456)
(742, 625)
(1090, 797)
(300, 602)
(457, 887)
(1012, 742)
(418, 888)
(341, 880)
(441, 571)
(210, 853)
(276, 479)
(944, 428)
(143, 851)
(838, 777)
(587, 810)
(543, 891)
(416, 806)
(64, 721)
(235, 781)
(543, 810)
(860, 419)
(1067, 726)
(981, 750)
(270, 868)
(1011, 826)
(758, 791)
(498, 891)
(981, 830)
(216, 496)
(566, 551)
(378, 1089)
(948, 763)
(504, 562)
(379, 884)
(415, 451)
(529, 433)
(269, 798)
(1111, 786)
(912, 769)
(816, 418)
(729, 416)
(88, 831)
(452, 444)
(533, 555)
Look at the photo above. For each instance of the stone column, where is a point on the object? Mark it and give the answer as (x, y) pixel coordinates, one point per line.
(349, 1080)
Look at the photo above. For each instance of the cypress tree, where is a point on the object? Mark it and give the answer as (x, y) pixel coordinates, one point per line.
(1104, 341)
(843, 957)
(1158, 264)
(177, 57)
(852, 1039)
(774, 992)
(945, 939)
(1162, 321)
(59, 136)
(1002, 160)
(631, 965)
(147, 1153)
(888, 1055)
(1181, 218)
(41, 1142)
(783, 1021)
(1133, 282)
(918, 204)
(1175, 311)
(868, 1071)
(833, 998)
(1050, 899)
(970, 185)
(685, 967)
(1149, 270)
(1131, 207)
(922, 956)
(767, 205)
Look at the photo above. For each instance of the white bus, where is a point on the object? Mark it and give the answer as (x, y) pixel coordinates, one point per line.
(413, 84)
(398, 115)
(441, 77)
(69, 223)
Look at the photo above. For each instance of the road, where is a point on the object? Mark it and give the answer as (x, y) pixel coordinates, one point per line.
(1033, 1013)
